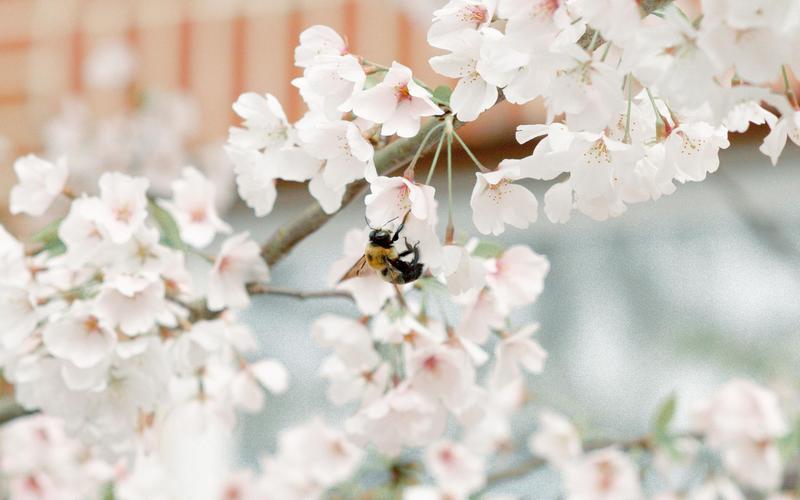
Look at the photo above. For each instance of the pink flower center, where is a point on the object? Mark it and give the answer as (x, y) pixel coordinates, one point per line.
(123, 214)
(546, 8)
(224, 264)
(446, 456)
(598, 154)
(477, 14)
(43, 435)
(232, 493)
(198, 215)
(605, 476)
(431, 363)
(337, 448)
(91, 325)
(32, 485)
(401, 92)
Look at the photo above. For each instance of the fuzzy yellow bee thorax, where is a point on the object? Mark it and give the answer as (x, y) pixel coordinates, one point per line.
(377, 256)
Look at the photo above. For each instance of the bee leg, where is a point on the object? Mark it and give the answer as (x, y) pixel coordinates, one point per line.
(415, 251)
(400, 227)
(397, 233)
(408, 251)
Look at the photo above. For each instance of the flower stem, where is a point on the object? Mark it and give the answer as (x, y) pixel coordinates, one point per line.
(378, 67)
(595, 37)
(605, 52)
(435, 159)
(627, 138)
(789, 90)
(470, 154)
(409, 172)
(450, 231)
(661, 125)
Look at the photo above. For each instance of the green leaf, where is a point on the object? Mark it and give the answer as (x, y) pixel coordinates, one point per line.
(663, 419)
(108, 492)
(441, 94)
(488, 249)
(48, 237)
(170, 235)
(789, 444)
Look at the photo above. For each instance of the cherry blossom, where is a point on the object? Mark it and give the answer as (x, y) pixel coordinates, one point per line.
(193, 207)
(788, 126)
(18, 315)
(40, 183)
(132, 304)
(318, 41)
(496, 201)
(347, 155)
(246, 387)
(693, 149)
(12, 260)
(82, 233)
(111, 65)
(398, 103)
(617, 20)
(238, 263)
(743, 420)
(265, 124)
(515, 351)
(472, 95)
(556, 439)
(462, 273)
(516, 278)
(124, 205)
(255, 179)
(602, 474)
(441, 372)
(402, 417)
(79, 337)
(455, 468)
(457, 17)
(330, 82)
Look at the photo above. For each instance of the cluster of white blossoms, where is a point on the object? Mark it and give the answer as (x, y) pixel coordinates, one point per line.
(645, 100)
(41, 461)
(98, 324)
(743, 423)
(105, 331)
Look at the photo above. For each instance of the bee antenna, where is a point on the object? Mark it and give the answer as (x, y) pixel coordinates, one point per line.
(391, 220)
(367, 221)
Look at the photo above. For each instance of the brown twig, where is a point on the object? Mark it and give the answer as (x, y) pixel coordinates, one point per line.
(9, 410)
(259, 289)
(533, 463)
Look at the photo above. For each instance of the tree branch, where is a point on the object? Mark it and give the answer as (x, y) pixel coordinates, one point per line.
(533, 463)
(9, 410)
(259, 289)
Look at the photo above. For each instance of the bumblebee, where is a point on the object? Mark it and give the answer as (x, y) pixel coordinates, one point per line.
(382, 256)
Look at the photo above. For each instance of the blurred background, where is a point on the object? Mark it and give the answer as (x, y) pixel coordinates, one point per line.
(677, 295)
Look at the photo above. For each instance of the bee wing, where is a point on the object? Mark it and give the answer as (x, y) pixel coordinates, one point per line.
(359, 269)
